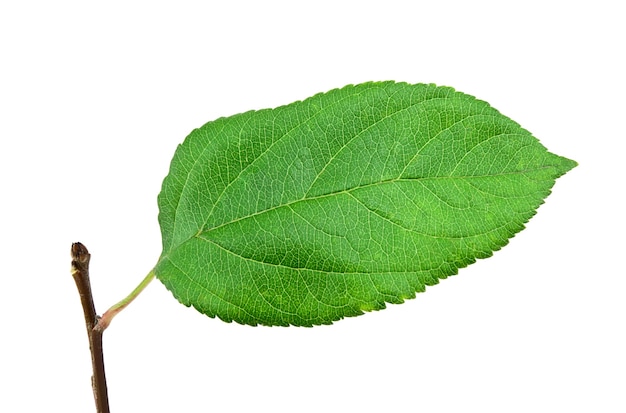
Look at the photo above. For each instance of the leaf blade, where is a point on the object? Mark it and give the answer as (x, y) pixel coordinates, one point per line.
(335, 205)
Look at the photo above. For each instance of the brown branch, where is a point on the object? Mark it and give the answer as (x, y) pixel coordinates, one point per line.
(80, 272)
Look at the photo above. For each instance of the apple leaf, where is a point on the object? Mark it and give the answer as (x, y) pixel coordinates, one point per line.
(335, 205)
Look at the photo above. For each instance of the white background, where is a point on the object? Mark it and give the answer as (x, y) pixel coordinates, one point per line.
(94, 99)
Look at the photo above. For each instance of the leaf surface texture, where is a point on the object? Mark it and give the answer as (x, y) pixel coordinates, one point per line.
(335, 205)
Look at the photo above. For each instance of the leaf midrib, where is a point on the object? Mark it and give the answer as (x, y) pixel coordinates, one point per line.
(199, 234)
(347, 191)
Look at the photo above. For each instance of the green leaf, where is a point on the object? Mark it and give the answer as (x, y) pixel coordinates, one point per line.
(329, 207)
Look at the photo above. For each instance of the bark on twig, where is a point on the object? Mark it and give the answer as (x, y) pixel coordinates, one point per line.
(80, 272)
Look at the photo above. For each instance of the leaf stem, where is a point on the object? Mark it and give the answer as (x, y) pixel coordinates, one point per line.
(106, 318)
(80, 273)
